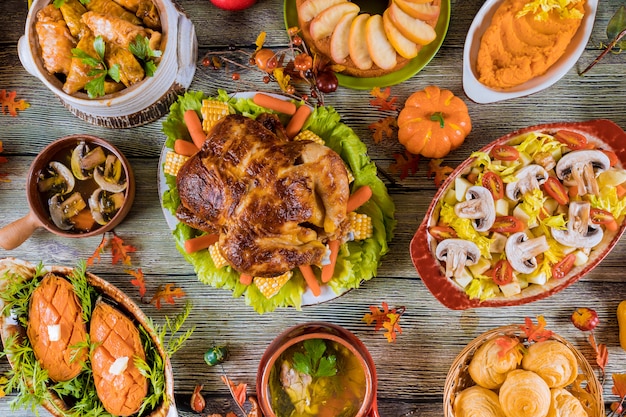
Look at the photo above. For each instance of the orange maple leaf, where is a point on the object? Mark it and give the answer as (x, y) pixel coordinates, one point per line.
(438, 172)
(405, 164)
(377, 315)
(385, 318)
(619, 385)
(139, 281)
(167, 294)
(381, 100)
(510, 344)
(392, 326)
(119, 251)
(536, 333)
(383, 127)
(9, 105)
(96, 254)
(237, 391)
(602, 353)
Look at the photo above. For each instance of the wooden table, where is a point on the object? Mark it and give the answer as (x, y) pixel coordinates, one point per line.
(412, 371)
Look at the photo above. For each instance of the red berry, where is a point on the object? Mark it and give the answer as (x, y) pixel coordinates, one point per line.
(327, 81)
(236, 76)
(617, 407)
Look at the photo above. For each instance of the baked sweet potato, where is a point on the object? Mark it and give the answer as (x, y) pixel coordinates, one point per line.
(56, 328)
(119, 384)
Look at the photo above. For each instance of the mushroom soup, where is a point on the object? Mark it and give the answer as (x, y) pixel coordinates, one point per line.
(83, 187)
(527, 212)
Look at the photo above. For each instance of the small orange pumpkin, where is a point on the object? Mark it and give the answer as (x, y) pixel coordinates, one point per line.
(433, 122)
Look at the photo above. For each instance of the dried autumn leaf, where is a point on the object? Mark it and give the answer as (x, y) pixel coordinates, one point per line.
(238, 391)
(385, 318)
(139, 281)
(281, 78)
(9, 105)
(406, 164)
(383, 127)
(260, 40)
(438, 172)
(120, 251)
(536, 333)
(602, 353)
(377, 315)
(392, 326)
(99, 250)
(381, 100)
(509, 344)
(166, 293)
(619, 385)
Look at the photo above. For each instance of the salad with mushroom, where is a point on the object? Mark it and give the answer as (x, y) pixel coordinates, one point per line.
(528, 211)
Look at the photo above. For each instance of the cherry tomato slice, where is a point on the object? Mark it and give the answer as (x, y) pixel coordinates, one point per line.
(562, 268)
(493, 183)
(507, 224)
(504, 153)
(556, 190)
(442, 232)
(572, 140)
(603, 217)
(502, 272)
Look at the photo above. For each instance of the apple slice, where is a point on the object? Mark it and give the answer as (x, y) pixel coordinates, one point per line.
(324, 23)
(403, 46)
(414, 29)
(423, 11)
(339, 40)
(357, 45)
(381, 51)
(311, 8)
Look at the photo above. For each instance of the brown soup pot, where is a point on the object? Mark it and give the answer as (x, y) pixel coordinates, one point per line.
(17, 232)
(317, 330)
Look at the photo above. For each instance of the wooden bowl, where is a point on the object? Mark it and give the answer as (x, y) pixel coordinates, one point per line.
(458, 377)
(9, 327)
(138, 104)
(605, 134)
(14, 234)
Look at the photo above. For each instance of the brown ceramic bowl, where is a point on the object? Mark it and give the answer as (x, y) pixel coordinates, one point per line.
(14, 234)
(327, 332)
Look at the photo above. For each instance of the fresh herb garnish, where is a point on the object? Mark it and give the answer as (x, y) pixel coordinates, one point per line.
(313, 362)
(95, 87)
(140, 47)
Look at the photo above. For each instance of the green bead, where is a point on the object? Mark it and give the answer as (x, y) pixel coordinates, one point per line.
(216, 355)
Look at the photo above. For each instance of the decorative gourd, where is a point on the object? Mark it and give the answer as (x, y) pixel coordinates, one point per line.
(433, 122)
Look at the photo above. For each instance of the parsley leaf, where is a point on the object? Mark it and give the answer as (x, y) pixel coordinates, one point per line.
(140, 47)
(313, 362)
(95, 87)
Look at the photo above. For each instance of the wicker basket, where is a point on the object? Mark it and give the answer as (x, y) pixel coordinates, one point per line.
(458, 377)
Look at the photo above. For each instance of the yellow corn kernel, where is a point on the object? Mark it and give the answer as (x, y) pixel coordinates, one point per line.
(360, 225)
(350, 175)
(217, 257)
(212, 111)
(269, 287)
(308, 135)
(173, 162)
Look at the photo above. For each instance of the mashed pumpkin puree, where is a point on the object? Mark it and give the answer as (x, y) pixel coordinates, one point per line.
(520, 45)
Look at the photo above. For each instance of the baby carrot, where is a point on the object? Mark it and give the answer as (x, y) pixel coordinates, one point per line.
(245, 279)
(621, 190)
(311, 280)
(358, 198)
(329, 270)
(275, 104)
(184, 147)
(194, 126)
(201, 242)
(297, 121)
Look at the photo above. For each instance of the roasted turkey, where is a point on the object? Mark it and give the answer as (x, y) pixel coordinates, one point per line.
(274, 202)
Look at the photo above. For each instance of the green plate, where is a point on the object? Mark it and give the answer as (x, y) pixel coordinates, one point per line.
(413, 67)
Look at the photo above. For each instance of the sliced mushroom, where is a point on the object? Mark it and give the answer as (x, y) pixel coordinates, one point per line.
(110, 178)
(580, 232)
(104, 205)
(62, 211)
(529, 178)
(56, 179)
(84, 160)
(581, 168)
(478, 206)
(521, 251)
(457, 253)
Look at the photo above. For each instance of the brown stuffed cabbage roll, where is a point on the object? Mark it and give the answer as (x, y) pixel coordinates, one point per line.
(119, 31)
(72, 10)
(55, 40)
(109, 7)
(146, 10)
(131, 71)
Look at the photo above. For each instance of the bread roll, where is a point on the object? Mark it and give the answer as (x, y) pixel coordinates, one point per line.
(524, 394)
(119, 384)
(564, 404)
(56, 328)
(552, 361)
(477, 401)
(489, 365)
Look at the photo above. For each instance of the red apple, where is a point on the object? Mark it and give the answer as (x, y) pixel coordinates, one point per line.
(233, 5)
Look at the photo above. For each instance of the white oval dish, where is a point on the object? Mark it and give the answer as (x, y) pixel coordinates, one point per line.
(480, 93)
(141, 103)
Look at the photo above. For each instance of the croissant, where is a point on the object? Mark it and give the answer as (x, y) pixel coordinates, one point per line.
(552, 361)
(488, 367)
(564, 404)
(477, 401)
(524, 394)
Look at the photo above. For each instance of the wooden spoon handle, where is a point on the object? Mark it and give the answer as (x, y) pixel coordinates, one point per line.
(16, 233)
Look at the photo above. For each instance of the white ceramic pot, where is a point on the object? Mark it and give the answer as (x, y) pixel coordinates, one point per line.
(141, 103)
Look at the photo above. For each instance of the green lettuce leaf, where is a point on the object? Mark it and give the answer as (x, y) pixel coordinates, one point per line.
(357, 261)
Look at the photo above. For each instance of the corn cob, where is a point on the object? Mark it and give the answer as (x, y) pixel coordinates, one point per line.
(269, 287)
(212, 111)
(173, 162)
(308, 135)
(360, 225)
(217, 257)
